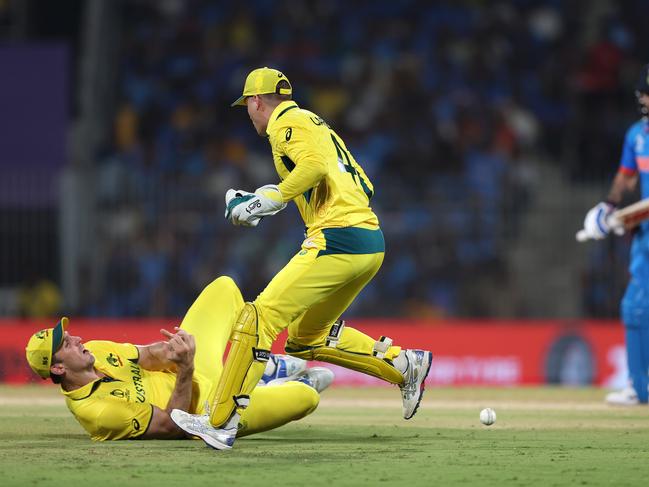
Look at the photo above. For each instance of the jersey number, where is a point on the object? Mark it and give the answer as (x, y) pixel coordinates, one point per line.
(344, 159)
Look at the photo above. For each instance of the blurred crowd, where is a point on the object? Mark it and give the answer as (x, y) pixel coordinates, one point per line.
(444, 104)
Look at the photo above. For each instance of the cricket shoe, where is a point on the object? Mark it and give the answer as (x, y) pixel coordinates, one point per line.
(286, 368)
(317, 377)
(412, 390)
(625, 397)
(199, 425)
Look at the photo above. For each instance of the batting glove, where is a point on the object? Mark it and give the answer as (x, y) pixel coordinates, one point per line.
(247, 209)
(599, 222)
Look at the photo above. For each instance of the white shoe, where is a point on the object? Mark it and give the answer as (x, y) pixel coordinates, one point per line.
(286, 368)
(412, 389)
(625, 397)
(199, 425)
(317, 377)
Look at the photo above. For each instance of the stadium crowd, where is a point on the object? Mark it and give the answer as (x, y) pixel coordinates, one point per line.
(443, 104)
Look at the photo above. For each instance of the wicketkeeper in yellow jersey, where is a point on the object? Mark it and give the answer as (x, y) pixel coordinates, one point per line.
(122, 391)
(342, 251)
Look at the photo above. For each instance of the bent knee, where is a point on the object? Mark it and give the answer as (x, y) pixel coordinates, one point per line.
(224, 289)
(222, 283)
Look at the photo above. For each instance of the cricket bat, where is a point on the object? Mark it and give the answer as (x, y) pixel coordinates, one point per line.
(628, 217)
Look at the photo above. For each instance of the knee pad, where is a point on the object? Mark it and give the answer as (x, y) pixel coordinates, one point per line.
(244, 363)
(374, 365)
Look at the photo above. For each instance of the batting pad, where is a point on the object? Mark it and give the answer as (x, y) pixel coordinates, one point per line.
(366, 364)
(243, 368)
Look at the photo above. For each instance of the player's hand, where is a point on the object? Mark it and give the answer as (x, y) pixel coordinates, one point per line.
(247, 209)
(599, 222)
(181, 347)
(237, 199)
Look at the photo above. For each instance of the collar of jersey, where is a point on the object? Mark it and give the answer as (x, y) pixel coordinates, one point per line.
(279, 111)
(85, 391)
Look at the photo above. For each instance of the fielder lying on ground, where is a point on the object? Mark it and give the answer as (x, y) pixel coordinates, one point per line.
(122, 391)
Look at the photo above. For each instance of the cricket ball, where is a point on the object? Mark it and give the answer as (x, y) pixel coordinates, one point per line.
(487, 416)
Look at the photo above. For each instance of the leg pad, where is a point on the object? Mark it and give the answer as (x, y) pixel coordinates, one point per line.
(366, 364)
(244, 362)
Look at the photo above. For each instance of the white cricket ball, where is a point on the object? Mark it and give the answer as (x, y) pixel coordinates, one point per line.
(487, 416)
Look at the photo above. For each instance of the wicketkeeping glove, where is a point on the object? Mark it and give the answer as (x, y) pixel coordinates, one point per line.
(599, 222)
(247, 209)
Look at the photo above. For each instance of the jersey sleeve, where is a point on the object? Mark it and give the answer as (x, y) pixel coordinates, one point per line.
(628, 163)
(120, 420)
(303, 157)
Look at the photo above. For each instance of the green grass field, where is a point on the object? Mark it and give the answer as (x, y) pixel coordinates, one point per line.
(543, 436)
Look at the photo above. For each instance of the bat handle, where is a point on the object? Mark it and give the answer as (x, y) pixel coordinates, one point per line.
(581, 236)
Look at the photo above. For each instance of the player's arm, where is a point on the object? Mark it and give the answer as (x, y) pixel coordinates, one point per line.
(309, 165)
(304, 150)
(181, 348)
(623, 183)
(158, 355)
(155, 356)
(599, 221)
(161, 426)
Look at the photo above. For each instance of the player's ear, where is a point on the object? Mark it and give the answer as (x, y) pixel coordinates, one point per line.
(257, 102)
(57, 369)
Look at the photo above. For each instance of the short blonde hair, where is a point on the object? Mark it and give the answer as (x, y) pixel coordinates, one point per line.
(277, 97)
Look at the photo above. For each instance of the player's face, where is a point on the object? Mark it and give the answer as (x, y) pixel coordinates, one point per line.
(643, 99)
(256, 114)
(73, 354)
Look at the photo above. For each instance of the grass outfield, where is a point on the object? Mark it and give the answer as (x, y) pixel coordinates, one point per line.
(543, 436)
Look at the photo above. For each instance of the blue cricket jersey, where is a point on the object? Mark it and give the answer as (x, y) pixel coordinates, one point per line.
(635, 160)
(635, 154)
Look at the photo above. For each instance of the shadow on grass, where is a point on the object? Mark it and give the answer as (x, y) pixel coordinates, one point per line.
(320, 439)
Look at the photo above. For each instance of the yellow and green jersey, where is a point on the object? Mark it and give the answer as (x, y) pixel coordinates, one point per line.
(120, 405)
(319, 174)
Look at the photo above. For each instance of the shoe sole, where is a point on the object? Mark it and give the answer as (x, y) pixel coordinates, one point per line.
(212, 443)
(208, 440)
(422, 387)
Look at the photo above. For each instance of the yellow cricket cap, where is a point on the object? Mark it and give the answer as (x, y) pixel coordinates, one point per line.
(263, 81)
(42, 346)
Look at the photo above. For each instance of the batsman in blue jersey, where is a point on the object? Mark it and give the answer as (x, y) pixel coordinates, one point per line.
(634, 167)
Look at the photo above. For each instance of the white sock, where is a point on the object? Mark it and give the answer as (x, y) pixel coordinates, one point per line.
(400, 362)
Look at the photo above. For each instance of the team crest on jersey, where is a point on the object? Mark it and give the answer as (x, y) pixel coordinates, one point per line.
(639, 143)
(114, 360)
